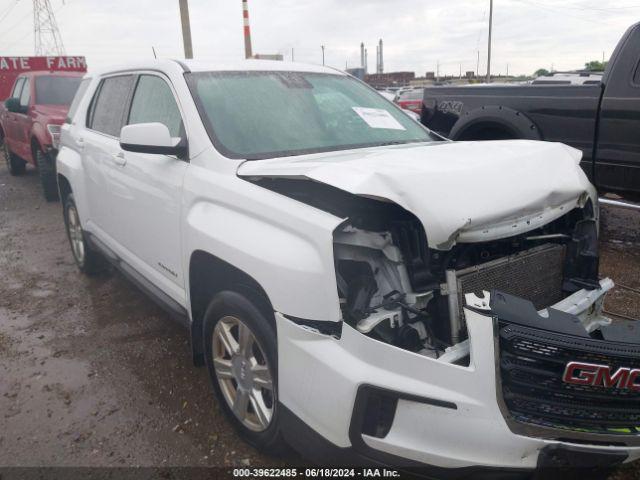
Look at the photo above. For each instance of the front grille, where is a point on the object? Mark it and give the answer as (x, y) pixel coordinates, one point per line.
(532, 364)
(535, 274)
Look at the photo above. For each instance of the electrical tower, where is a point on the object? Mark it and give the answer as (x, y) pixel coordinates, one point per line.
(45, 30)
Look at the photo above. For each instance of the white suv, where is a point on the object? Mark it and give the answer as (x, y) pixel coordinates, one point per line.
(355, 284)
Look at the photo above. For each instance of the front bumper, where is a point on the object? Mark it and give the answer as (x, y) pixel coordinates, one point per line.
(447, 416)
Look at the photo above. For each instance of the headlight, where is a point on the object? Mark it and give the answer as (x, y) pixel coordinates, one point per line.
(54, 131)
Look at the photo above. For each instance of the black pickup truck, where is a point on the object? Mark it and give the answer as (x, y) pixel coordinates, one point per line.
(602, 120)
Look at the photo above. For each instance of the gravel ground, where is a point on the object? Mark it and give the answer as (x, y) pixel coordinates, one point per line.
(92, 373)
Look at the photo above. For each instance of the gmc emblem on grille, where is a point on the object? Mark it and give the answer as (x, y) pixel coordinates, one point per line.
(602, 376)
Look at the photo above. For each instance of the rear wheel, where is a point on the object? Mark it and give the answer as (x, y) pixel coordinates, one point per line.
(241, 356)
(15, 164)
(47, 171)
(88, 260)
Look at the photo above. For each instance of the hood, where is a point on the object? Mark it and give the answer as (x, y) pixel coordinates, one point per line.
(460, 191)
(54, 113)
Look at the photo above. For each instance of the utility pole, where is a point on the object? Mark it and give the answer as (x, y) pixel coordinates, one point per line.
(322, 46)
(438, 71)
(490, 32)
(507, 69)
(186, 29)
(47, 38)
(292, 57)
(478, 65)
(248, 51)
(460, 71)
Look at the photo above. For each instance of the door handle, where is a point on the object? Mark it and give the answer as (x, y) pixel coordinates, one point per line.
(80, 143)
(119, 159)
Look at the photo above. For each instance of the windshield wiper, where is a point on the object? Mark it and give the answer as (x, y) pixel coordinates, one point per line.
(400, 142)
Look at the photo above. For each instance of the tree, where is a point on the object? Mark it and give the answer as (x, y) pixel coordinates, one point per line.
(541, 72)
(595, 66)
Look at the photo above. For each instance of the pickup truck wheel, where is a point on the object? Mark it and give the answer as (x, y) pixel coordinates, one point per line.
(88, 260)
(241, 356)
(47, 171)
(15, 164)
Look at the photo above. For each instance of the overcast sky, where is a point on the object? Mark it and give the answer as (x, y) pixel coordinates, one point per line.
(528, 34)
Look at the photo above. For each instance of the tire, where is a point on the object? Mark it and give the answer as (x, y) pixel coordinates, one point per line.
(244, 378)
(15, 164)
(47, 171)
(88, 260)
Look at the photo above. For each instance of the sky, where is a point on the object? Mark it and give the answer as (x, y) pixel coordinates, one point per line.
(418, 35)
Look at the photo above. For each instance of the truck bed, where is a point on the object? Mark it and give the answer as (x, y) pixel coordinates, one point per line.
(563, 113)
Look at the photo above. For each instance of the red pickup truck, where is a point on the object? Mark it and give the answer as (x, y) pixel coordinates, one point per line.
(30, 122)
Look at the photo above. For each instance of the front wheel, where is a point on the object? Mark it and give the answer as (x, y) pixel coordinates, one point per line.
(88, 260)
(15, 164)
(47, 171)
(241, 356)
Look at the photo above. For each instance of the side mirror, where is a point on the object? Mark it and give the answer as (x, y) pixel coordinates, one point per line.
(151, 138)
(13, 105)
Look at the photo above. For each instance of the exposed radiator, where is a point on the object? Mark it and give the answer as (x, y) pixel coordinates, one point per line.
(535, 275)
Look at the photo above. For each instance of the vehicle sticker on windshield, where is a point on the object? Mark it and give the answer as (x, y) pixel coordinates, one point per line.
(378, 118)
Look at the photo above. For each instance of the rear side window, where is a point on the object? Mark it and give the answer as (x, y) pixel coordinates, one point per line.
(73, 108)
(17, 88)
(153, 101)
(26, 94)
(636, 76)
(109, 105)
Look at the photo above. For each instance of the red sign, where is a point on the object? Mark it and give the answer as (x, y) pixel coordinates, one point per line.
(601, 376)
(11, 67)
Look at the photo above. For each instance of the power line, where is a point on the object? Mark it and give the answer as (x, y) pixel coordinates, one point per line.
(20, 22)
(6, 13)
(594, 9)
(16, 24)
(554, 10)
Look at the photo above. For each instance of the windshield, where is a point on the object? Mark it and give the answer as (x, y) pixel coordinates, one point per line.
(257, 115)
(56, 90)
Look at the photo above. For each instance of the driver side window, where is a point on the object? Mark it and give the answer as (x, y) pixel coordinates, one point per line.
(17, 89)
(153, 101)
(26, 94)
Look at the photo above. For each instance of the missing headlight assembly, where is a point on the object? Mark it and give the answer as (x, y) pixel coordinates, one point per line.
(394, 288)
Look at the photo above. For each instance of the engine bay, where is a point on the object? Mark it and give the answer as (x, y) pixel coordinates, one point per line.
(396, 289)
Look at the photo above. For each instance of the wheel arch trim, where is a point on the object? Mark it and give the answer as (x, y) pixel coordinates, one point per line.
(511, 120)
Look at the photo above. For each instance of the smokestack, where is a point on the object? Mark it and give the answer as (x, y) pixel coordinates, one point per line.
(362, 55)
(366, 60)
(381, 58)
(248, 53)
(377, 58)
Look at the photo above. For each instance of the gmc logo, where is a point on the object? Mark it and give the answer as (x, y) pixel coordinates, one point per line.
(602, 376)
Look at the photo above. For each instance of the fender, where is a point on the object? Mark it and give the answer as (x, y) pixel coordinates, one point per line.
(69, 165)
(514, 122)
(284, 245)
(295, 270)
(41, 136)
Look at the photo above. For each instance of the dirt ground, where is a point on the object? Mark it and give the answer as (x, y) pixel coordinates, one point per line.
(92, 373)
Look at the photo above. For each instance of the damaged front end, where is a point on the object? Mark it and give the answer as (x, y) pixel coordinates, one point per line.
(394, 288)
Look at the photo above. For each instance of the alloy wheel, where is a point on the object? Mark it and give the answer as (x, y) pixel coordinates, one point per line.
(75, 234)
(243, 373)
